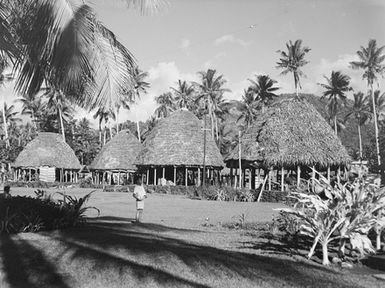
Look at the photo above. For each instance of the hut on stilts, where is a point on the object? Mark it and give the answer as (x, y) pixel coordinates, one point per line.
(283, 145)
(174, 152)
(114, 165)
(47, 158)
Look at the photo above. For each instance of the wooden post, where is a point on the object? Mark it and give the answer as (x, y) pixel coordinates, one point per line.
(339, 175)
(148, 176)
(252, 178)
(174, 175)
(185, 180)
(298, 175)
(199, 176)
(231, 176)
(164, 173)
(282, 179)
(329, 174)
(235, 178)
(269, 175)
(155, 183)
(119, 178)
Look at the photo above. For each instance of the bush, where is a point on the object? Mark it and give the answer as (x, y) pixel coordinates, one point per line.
(342, 214)
(33, 214)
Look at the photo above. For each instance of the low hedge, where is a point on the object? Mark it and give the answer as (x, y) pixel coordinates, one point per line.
(39, 184)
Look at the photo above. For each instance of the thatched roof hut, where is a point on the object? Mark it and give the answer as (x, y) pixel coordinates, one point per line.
(290, 135)
(47, 149)
(118, 154)
(47, 158)
(178, 141)
(291, 132)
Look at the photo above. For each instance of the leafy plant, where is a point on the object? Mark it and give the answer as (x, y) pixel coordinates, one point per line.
(344, 212)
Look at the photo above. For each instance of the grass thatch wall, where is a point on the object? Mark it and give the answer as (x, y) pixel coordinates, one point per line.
(291, 132)
(178, 140)
(118, 154)
(47, 149)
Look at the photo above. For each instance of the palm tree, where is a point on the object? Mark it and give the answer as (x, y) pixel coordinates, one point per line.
(32, 106)
(4, 62)
(211, 95)
(292, 61)
(184, 95)
(58, 104)
(263, 90)
(360, 111)
(64, 44)
(379, 100)
(371, 60)
(248, 107)
(335, 90)
(166, 105)
(140, 87)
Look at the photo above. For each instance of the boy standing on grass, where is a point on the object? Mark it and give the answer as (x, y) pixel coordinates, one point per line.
(139, 194)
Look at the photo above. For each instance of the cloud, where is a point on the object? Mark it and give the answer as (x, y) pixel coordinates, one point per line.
(229, 38)
(162, 76)
(186, 43)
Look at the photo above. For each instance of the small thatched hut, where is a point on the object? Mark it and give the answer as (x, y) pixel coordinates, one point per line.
(174, 152)
(47, 158)
(291, 135)
(115, 162)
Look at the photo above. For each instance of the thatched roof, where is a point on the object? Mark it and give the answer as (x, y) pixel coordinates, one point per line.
(118, 154)
(291, 132)
(47, 149)
(178, 140)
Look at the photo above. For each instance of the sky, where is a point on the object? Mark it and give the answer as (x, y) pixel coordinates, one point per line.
(240, 39)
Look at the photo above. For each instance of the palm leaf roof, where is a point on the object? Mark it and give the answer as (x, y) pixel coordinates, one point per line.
(47, 149)
(291, 132)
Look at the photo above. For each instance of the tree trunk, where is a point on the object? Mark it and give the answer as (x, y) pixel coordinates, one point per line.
(5, 126)
(325, 255)
(360, 139)
(117, 120)
(62, 125)
(375, 127)
(100, 133)
(378, 239)
(296, 85)
(138, 128)
(335, 125)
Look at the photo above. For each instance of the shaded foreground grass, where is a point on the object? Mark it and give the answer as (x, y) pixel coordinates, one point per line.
(172, 249)
(114, 253)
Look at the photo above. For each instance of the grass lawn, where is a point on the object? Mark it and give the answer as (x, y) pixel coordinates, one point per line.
(180, 244)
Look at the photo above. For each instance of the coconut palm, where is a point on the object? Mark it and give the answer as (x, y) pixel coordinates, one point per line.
(210, 94)
(371, 60)
(58, 104)
(335, 90)
(140, 87)
(379, 100)
(33, 106)
(248, 108)
(166, 105)
(360, 111)
(184, 95)
(63, 43)
(292, 61)
(264, 89)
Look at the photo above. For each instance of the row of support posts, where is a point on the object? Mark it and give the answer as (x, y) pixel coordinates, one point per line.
(107, 177)
(210, 172)
(26, 174)
(238, 177)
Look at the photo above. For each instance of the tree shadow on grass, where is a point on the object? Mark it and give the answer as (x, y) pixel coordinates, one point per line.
(98, 241)
(26, 266)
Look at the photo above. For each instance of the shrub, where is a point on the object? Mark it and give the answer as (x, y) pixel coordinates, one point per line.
(342, 212)
(28, 214)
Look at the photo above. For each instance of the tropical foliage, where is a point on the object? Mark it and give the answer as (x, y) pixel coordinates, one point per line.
(342, 214)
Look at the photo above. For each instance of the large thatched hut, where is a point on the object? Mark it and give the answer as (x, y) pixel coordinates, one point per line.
(115, 162)
(174, 152)
(47, 158)
(290, 136)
